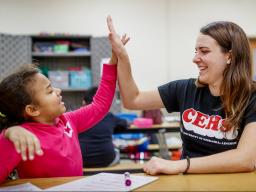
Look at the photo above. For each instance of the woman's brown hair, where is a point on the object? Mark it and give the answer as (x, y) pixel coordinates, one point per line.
(237, 86)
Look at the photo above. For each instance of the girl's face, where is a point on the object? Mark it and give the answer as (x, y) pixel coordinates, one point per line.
(48, 99)
(210, 60)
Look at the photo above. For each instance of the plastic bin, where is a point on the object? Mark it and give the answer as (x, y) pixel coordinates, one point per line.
(59, 79)
(80, 79)
(127, 116)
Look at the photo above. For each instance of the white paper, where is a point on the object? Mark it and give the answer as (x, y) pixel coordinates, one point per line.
(21, 187)
(104, 182)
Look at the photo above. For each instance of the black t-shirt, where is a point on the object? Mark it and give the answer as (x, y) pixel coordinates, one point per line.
(96, 143)
(202, 117)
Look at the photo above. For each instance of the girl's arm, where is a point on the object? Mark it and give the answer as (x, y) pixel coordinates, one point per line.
(89, 115)
(9, 158)
(24, 141)
(132, 97)
(241, 159)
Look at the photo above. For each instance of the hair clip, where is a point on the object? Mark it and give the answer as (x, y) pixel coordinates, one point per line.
(2, 115)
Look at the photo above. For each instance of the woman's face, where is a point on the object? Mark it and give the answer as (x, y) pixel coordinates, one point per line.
(210, 60)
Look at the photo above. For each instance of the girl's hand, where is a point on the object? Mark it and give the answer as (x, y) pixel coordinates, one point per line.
(24, 140)
(157, 165)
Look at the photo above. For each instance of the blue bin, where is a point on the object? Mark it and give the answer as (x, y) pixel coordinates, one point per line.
(127, 116)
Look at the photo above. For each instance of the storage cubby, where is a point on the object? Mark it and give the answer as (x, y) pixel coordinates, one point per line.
(66, 61)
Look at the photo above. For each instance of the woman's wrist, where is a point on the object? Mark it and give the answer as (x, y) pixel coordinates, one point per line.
(123, 55)
(187, 165)
(182, 166)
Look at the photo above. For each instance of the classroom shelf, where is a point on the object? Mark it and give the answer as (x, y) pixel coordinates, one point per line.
(69, 54)
(83, 52)
(64, 53)
(73, 89)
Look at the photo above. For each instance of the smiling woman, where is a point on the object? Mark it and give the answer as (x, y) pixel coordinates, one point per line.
(236, 85)
(218, 108)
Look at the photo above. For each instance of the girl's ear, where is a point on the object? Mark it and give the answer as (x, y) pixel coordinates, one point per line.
(31, 110)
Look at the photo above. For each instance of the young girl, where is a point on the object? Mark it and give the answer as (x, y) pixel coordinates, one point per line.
(25, 142)
(28, 99)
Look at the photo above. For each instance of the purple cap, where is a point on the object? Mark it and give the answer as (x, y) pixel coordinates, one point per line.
(128, 182)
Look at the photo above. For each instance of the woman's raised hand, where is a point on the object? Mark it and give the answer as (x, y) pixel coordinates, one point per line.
(117, 43)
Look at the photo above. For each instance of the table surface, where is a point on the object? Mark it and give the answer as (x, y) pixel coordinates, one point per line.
(131, 167)
(189, 182)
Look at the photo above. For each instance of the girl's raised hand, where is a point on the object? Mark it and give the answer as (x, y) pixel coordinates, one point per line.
(24, 141)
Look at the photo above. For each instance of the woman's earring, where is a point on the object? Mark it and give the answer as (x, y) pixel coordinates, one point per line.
(228, 61)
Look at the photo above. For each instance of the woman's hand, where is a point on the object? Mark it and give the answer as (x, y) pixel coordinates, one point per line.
(116, 43)
(157, 165)
(24, 140)
(114, 59)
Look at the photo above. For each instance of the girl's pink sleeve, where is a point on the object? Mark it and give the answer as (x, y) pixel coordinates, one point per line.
(9, 158)
(89, 115)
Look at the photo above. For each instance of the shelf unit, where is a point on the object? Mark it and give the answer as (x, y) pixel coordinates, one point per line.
(17, 50)
(35, 54)
(44, 52)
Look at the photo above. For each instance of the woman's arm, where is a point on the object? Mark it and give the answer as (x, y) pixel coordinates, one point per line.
(24, 141)
(132, 97)
(241, 159)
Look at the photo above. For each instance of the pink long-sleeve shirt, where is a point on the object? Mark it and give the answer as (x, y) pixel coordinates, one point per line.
(62, 154)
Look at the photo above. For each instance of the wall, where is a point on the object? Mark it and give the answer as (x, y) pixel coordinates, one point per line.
(187, 17)
(143, 20)
(163, 32)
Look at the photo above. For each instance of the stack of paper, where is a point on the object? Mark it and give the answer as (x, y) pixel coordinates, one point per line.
(21, 187)
(104, 182)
